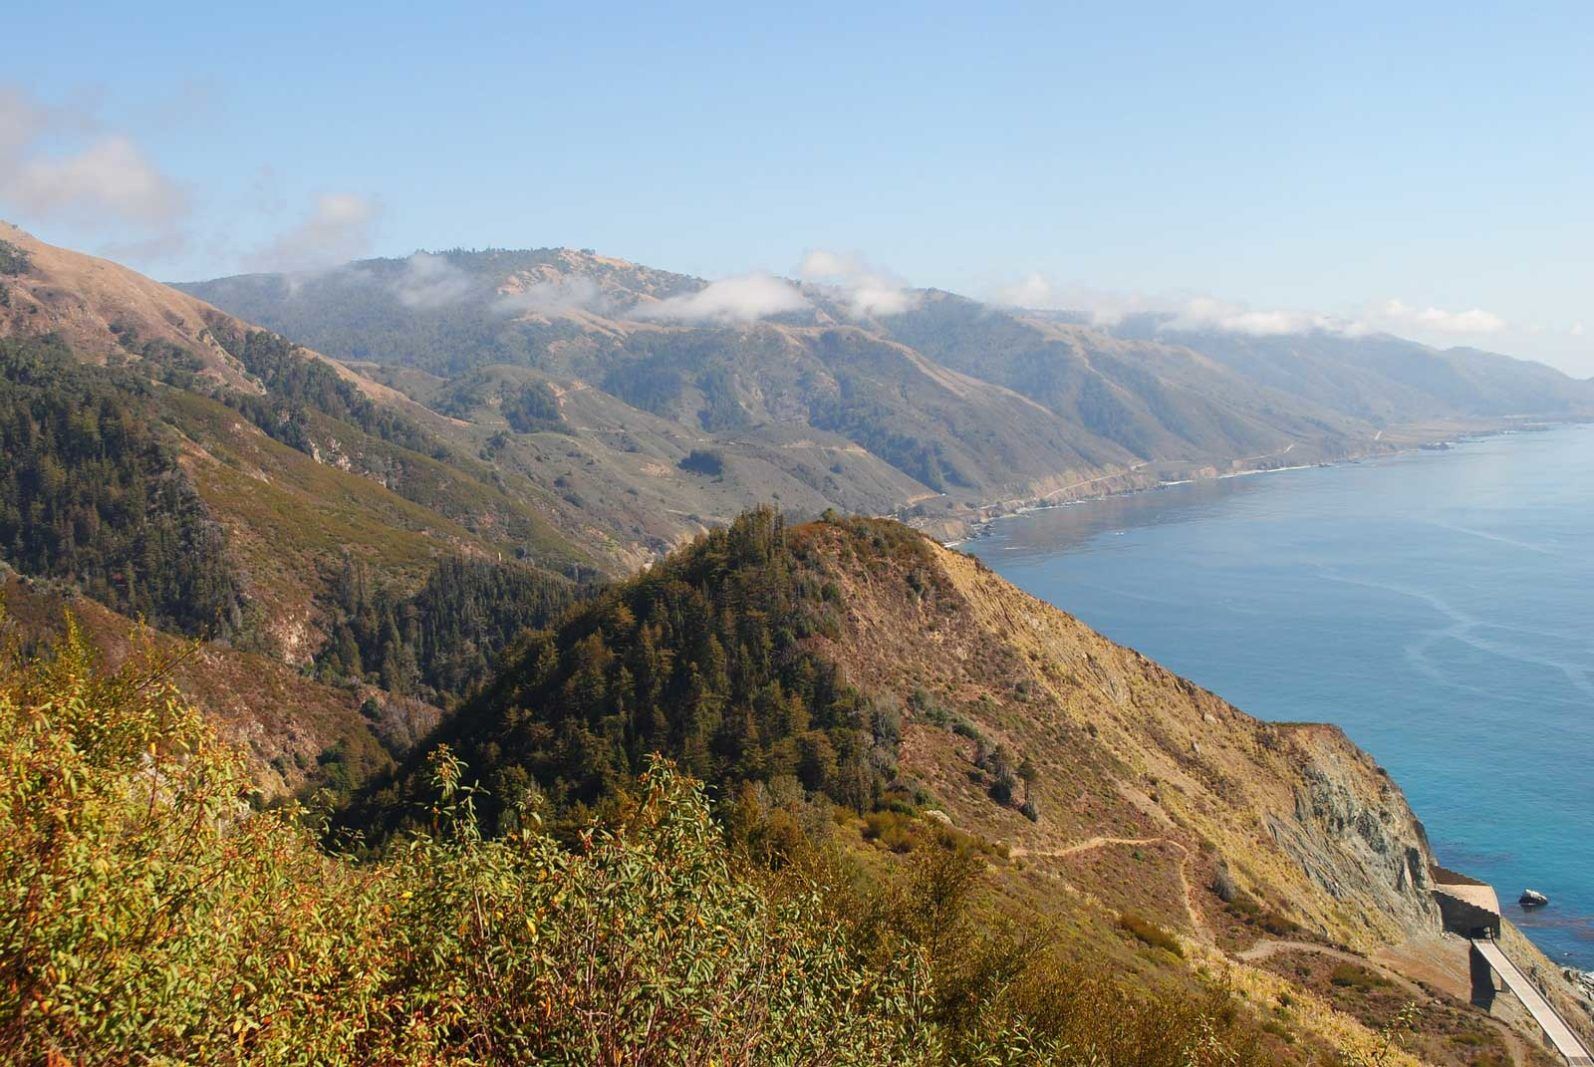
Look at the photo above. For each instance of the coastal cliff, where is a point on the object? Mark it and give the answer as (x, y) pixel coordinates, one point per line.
(1302, 821)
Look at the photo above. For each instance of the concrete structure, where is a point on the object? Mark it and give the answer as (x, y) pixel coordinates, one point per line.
(1469, 907)
(1487, 956)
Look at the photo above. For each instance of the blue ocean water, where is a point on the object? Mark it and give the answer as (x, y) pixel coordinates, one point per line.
(1439, 606)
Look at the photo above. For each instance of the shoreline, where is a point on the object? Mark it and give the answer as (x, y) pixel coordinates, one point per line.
(1553, 938)
(977, 522)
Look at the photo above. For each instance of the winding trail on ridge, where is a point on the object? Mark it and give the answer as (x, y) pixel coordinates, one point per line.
(1265, 949)
(1198, 924)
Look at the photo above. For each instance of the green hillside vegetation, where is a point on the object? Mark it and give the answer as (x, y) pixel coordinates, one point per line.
(309, 406)
(91, 493)
(702, 657)
(295, 384)
(149, 914)
(444, 637)
(97, 497)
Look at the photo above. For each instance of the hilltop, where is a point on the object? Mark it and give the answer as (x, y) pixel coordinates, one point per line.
(940, 822)
(853, 678)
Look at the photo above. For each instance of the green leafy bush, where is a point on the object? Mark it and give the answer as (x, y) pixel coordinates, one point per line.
(707, 462)
(149, 913)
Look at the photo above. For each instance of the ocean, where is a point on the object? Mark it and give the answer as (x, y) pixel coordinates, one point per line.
(1439, 606)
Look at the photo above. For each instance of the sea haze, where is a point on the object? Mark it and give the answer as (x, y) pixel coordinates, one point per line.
(1436, 605)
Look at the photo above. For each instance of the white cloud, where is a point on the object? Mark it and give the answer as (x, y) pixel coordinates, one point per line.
(1577, 329)
(1106, 309)
(430, 281)
(108, 179)
(575, 292)
(746, 298)
(337, 229)
(1206, 313)
(57, 163)
(867, 291)
(1474, 322)
(1102, 307)
(1195, 312)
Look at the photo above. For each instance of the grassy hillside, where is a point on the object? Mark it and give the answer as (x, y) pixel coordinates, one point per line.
(653, 941)
(853, 683)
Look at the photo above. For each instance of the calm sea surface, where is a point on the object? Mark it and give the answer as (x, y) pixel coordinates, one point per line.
(1438, 606)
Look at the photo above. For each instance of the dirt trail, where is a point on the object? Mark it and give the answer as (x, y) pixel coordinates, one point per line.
(1197, 923)
(1267, 949)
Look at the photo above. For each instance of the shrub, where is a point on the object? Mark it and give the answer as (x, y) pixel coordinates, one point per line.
(1350, 976)
(1223, 883)
(1149, 932)
(149, 914)
(928, 708)
(891, 829)
(705, 462)
(13, 260)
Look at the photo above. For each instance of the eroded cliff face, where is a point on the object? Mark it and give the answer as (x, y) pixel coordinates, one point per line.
(1353, 833)
(1127, 756)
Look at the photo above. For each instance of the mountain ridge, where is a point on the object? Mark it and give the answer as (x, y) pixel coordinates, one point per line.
(412, 554)
(1114, 408)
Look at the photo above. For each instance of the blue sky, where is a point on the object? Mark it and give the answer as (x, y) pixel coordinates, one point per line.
(1427, 170)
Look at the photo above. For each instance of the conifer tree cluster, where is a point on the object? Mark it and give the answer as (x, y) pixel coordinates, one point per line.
(297, 385)
(445, 637)
(705, 658)
(91, 493)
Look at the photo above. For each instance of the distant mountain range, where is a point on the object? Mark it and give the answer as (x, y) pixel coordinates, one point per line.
(942, 407)
(477, 434)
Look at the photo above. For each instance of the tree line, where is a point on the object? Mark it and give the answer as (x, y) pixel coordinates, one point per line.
(442, 639)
